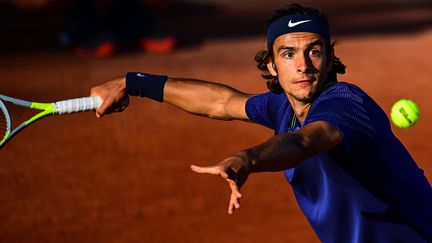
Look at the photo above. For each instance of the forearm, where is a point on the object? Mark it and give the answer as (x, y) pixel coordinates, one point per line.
(278, 153)
(204, 98)
(198, 97)
(288, 150)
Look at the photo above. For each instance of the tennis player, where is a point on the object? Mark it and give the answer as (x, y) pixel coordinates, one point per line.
(353, 179)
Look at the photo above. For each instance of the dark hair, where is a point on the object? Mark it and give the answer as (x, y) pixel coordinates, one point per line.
(263, 57)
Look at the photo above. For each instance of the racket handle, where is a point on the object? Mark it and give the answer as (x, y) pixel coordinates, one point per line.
(77, 105)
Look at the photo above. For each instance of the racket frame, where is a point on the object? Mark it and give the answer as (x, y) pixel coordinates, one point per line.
(7, 120)
(47, 109)
(60, 107)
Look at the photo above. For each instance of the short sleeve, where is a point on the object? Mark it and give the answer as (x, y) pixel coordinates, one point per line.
(352, 112)
(268, 109)
(258, 111)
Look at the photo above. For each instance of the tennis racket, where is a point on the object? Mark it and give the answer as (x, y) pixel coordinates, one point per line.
(47, 109)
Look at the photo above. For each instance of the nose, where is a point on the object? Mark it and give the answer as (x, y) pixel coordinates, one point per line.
(303, 63)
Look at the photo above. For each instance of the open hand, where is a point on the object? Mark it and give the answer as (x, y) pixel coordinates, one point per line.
(235, 171)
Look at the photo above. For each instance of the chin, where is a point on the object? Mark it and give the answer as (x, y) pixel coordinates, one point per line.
(304, 98)
(306, 95)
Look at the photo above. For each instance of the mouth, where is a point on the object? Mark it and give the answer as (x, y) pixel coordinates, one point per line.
(305, 82)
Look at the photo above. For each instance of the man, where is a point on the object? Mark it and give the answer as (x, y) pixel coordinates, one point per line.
(353, 179)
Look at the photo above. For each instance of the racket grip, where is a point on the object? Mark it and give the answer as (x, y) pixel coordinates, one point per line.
(77, 105)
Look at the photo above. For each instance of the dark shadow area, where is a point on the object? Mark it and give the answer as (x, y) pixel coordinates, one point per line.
(194, 22)
(380, 18)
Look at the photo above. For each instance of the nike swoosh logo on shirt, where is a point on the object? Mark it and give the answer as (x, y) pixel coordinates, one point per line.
(292, 24)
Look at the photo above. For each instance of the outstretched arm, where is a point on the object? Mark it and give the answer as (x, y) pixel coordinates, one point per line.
(286, 151)
(204, 98)
(278, 153)
(198, 97)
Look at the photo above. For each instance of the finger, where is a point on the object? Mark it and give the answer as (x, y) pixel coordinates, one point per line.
(94, 92)
(230, 208)
(104, 107)
(205, 170)
(224, 175)
(234, 204)
(234, 198)
(100, 111)
(234, 189)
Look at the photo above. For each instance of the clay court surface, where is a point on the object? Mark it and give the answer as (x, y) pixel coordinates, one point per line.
(126, 177)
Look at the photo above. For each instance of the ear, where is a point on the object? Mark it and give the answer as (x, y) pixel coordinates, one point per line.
(272, 68)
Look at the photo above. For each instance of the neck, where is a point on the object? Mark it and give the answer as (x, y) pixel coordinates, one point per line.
(301, 109)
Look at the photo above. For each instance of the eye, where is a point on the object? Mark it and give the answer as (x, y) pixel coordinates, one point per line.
(315, 53)
(288, 54)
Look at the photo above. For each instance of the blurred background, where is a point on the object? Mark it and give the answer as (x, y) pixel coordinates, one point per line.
(48, 25)
(126, 177)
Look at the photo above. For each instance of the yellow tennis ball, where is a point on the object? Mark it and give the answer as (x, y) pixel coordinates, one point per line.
(404, 113)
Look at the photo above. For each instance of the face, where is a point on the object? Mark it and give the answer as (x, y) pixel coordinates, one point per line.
(300, 63)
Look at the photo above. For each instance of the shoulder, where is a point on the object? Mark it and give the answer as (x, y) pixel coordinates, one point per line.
(345, 95)
(343, 89)
(348, 108)
(268, 97)
(267, 108)
(268, 101)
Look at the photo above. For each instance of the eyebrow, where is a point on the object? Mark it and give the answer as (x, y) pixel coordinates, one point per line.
(316, 42)
(290, 48)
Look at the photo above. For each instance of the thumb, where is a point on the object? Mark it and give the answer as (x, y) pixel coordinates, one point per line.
(101, 110)
(213, 170)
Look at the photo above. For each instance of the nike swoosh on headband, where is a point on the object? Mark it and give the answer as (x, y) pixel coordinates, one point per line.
(292, 24)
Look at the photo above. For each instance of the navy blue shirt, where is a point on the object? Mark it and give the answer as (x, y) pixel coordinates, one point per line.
(368, 188)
